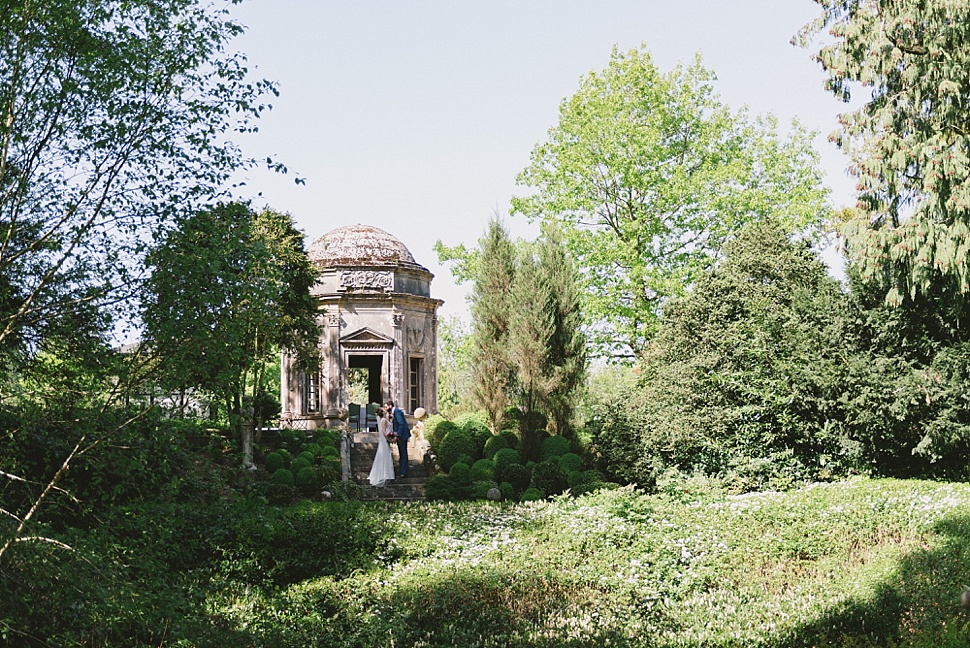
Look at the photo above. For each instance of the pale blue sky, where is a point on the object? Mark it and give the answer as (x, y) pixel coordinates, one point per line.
(416, 116)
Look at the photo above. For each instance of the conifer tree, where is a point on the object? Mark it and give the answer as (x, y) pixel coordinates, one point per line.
(490, 313)
(909, 144)
(566, 345)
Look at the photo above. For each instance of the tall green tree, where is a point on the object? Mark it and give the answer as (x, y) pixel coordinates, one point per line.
(744, 376)
(114, 117)
(229, 287)
(491, 361)
(566, 346)
(909, 144)
(647, 173)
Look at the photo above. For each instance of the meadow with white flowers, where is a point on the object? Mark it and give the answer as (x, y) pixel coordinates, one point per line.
(863, 562)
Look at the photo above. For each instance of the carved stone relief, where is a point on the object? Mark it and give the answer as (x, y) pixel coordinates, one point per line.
(367, 280)
(416, 338)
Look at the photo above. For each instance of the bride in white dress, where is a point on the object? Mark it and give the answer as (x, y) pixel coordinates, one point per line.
(383, 469)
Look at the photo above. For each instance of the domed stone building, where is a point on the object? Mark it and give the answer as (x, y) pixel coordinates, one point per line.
(379, 323)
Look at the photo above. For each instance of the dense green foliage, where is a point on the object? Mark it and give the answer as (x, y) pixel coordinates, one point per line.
(647, 173)
(257, 300)
(909, 144)
(857, 564)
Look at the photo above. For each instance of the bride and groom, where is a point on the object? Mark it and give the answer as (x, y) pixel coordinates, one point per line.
(391, 425)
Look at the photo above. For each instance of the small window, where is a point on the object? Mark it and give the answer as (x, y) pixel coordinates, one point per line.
(312, 394)
(415, 383)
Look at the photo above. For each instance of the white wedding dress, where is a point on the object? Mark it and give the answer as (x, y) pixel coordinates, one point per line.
(383, 469)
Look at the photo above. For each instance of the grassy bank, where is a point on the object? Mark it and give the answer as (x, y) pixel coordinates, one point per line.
(858, 563)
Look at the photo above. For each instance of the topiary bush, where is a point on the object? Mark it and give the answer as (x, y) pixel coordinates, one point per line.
(282, 477)
(483, 470)
(518, 476)
(461, 473)
(299, 464)
(314, 449)
(479, 431)
(306, 481)
(570, 462)
(552, 447)
(456, 443)
(441, 488)
(532, 495)
(548, 477)
(511, 438)
(508, 493)
(504, 458)
(480, 488)
(493, 445)
(287, 457)
(437, 436)
(330, 469)
(330, 451)
(307, 456)
(274, 461)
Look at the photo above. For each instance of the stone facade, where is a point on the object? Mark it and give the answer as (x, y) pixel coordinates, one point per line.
(376, 315)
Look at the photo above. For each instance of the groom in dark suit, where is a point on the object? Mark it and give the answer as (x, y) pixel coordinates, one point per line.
(403, 431)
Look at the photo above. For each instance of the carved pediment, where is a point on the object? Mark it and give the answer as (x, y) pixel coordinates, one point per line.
(365, 337)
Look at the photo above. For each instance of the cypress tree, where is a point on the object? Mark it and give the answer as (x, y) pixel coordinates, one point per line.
(491, 363)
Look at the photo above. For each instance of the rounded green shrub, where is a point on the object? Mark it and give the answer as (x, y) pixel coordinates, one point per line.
(314, 449)
(330, 451)
(570, 462)
(283, 477)
(518, 476)
(274, 461)
(441, 488)
(461, 473)
(327, 437)
(511, 438)
(503, 458)
(431, 425)
(552, 447)
(306, 480)
(493, 445)
(532, 495)
(508, 493)
(479, 431)
(480, 488)
(483, 470)
(574, 478)
(287, 457)
(592, 476)
(548, 477)
(456, 443)
(307, 456)
(299, 464)
(437, 434)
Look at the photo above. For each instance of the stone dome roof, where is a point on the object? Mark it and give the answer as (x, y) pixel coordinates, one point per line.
(359, 245)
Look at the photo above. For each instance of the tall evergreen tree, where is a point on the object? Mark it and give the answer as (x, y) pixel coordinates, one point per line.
(566, 345)
(530, 329)
(909, 144)
(490, 313)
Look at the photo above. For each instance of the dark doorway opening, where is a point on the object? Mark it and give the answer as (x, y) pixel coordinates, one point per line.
(371, 364)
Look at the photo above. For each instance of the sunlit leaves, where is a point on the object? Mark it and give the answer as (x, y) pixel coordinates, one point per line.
(647, 173)
(909, 144)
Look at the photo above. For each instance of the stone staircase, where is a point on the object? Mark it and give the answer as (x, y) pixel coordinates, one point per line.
(409, 489)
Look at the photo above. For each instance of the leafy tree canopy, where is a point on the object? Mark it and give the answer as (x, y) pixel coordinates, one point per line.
(647, 173)
(228, 288)
(114, 117)
(909, 144)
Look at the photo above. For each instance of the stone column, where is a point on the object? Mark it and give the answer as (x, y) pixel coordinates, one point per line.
(397, 369)
(431, 371)
(246, 426)
(334, 368)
